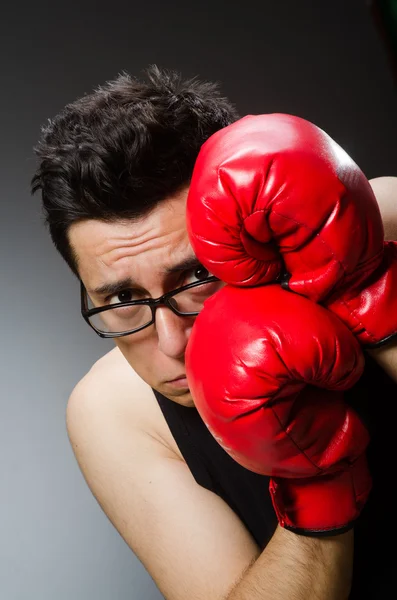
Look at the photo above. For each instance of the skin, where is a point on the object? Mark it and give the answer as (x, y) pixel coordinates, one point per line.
(144, 249)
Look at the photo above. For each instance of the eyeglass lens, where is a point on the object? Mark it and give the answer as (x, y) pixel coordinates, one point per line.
(127, 318)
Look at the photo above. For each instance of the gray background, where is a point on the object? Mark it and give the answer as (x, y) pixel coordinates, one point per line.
(321, 60)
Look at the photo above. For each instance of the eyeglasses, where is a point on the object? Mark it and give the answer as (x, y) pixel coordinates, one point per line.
(125, 318)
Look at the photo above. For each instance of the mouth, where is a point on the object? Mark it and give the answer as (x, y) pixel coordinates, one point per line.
(179, 382)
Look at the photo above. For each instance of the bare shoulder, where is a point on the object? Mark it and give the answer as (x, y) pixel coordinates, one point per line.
(188, 539)
(386, 184)
(385, 190)
(112, 391)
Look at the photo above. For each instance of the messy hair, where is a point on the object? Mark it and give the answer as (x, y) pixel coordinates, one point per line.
(117, 152)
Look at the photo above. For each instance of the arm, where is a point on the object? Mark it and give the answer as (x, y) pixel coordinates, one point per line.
(189, 540)
(385, 190)
(299, 568)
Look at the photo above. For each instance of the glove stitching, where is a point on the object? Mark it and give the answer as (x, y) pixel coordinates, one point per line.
(272, 400)
(303, 225)
(366, 269)
(314, 232)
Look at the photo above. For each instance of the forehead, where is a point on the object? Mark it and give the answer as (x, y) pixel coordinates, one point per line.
(152, 243)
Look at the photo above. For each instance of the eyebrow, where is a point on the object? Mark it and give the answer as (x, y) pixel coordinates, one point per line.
(111, 288)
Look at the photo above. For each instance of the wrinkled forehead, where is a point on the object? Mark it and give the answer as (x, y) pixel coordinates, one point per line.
(155, 244)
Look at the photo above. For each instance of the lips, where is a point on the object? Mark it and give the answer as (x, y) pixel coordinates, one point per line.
(179, 383)
(183, 376)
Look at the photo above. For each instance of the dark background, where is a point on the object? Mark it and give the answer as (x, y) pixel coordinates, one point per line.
(325, 61)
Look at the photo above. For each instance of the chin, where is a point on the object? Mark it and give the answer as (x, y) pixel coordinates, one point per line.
(183, 398)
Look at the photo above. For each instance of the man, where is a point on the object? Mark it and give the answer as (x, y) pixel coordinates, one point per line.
(114, 174)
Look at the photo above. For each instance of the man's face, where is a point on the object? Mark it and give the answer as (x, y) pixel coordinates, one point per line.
(151, 253)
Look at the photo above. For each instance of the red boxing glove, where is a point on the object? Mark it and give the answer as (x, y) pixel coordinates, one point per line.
(274, 191)
(252, 360)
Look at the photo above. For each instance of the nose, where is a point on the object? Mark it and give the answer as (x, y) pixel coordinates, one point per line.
(173, 332)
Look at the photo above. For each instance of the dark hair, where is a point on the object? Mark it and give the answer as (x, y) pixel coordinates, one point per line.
(117, 152)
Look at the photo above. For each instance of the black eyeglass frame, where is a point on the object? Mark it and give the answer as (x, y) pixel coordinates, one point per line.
(153, 303)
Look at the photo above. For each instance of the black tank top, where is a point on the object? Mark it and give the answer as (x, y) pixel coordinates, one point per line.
(375, 398)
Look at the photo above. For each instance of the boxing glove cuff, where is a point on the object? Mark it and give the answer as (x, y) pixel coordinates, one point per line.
(369, 307)
(325, 505)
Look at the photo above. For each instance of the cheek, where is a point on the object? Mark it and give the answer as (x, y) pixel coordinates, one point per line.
(138, 350)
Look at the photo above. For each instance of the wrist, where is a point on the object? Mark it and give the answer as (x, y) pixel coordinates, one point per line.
(299, 567)
(330, 558)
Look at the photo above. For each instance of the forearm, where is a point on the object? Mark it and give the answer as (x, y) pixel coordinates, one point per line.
(386, 357)
(299, 568)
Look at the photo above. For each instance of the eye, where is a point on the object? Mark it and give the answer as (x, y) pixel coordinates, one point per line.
(199, 273)
(123, 296)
